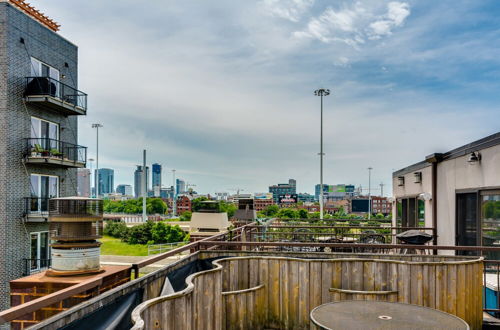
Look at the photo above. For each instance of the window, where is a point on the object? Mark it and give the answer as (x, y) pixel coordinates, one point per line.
(39, 251)
(42, 188)
(45, 134)
(40, 69)
(490, 221)
(409, 212)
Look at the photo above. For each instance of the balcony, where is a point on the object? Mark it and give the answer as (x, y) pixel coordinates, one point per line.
(36, 209)
(55, 153)
(32, 266)
(55, 95)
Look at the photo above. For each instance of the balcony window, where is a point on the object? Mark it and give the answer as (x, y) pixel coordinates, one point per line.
(40, 69)
(39, 252)
(43, 187)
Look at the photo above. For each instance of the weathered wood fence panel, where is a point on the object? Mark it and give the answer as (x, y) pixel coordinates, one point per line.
(279, 292)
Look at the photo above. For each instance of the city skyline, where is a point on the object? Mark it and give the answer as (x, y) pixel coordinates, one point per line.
(401, 86)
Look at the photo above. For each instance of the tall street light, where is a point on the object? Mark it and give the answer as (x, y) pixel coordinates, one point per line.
(321, 92)
(174, 195)
(369, 192)
(96, 178)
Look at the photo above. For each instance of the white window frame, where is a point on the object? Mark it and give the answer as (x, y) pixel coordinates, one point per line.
(39, 190)
(35, 265)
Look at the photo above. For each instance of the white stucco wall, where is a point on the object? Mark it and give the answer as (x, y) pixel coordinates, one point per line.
(458, 174)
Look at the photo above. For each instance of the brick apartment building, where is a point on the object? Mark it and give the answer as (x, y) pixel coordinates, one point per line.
(39, 155)
(260, 204)
(183, 204)
(381, 205)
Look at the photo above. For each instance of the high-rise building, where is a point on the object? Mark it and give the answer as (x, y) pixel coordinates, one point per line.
(124, 189)
(289, 188)
(156, 178)
(138, 183)
(83, 184)
(105, 180)
(39, 157)
(180, 186)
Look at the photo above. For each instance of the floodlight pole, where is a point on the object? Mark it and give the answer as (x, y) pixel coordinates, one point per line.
(174, 196)
(321, 92)
(369, 192)
(144, 187)
(96, 176)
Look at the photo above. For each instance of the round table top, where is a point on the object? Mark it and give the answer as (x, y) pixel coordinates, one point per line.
(360, 314)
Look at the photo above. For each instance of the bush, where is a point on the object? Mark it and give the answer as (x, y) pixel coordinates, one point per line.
(186, 216)
(140, 234)
(116, 229)
(165, 233)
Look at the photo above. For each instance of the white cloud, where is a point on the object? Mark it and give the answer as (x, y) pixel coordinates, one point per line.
(397, 12)
(356, 23)
(291, 10)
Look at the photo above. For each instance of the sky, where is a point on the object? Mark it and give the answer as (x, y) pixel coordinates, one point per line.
(222, 91)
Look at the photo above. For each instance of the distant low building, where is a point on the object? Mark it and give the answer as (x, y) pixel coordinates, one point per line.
(261, 204)
(124, 189)
(246, 210)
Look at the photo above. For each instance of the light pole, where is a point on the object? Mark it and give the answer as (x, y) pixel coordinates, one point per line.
(369, 192)
(144, 186)
(174, 196)
(90, 179)
(96, 177)
(321, 92)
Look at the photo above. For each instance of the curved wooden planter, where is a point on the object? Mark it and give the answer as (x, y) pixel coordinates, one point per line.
(279, 292)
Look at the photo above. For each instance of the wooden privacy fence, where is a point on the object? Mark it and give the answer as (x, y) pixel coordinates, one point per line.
(280, 292)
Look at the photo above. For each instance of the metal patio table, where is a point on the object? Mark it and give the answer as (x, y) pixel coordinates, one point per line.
(360, 314)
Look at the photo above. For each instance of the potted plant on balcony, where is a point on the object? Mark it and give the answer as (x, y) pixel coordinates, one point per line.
(56, 153)
(36, 150)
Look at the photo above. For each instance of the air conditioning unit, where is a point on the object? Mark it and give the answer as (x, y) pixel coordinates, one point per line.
(418, 177)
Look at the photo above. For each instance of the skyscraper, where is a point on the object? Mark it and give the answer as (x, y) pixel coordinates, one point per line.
(106, 180)
(180, 186)
(156, 179)
(138, 183)
(83, 182)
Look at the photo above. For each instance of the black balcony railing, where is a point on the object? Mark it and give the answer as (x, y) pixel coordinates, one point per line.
(55, 149)
(36, 206)
(46, 86)
(31, 266)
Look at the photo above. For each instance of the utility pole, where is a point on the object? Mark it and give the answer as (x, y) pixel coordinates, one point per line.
(96, 178)
(382, 189)
(174, 195)
(369, 192)
(144, 187)
(321, 92)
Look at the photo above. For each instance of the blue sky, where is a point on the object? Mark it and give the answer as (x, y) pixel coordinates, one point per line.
(222, 91)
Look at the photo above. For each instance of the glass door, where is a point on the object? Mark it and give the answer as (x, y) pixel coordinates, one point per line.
(467, 220)
(39, 251)
(490, 221)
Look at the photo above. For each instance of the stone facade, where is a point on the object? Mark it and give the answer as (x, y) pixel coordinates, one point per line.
(21, 38)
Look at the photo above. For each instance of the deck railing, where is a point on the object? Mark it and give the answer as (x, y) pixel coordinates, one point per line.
(46, 86)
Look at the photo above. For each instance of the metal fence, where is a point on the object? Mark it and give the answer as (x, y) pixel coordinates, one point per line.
(55, 149)
(46, 86)
(160, 248)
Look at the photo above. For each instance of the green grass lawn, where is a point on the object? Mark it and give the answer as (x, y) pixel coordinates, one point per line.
(114, 246)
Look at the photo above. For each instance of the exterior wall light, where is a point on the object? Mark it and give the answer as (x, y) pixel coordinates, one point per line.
(425, 196)
(474, 158)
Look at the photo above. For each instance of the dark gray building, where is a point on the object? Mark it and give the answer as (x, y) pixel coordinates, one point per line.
(39, 155)
(138, 185)
(106, 181)
(289, 188)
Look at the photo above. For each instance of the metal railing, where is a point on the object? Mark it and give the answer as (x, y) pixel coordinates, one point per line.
(160, 248)
(32, 266)
(46, 86)
(55, 149)
(36, 206)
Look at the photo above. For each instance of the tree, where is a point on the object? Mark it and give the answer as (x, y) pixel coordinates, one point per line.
(196, 204)
(165, 233)
(303, 214)
(185, 216)
(229, 208)
(271, 210)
